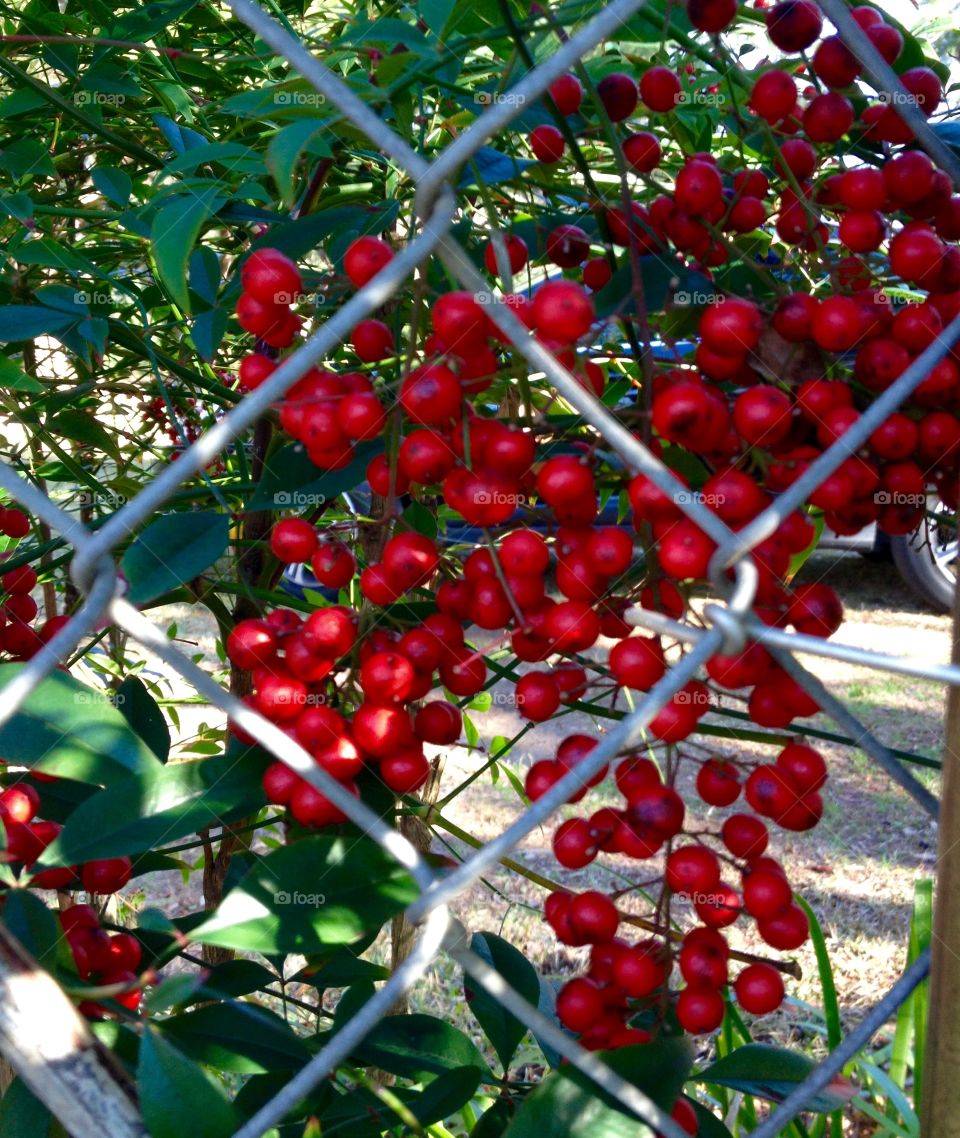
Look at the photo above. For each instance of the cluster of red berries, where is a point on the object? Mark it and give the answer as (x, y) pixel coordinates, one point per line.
(189, 426)
(348, 701)
(271, 283)
(625, 979)
(18, 638)
(103, 958)
(26, 837)
(755, 427)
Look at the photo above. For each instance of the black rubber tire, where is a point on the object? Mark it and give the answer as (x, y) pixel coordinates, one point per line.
(915, 563)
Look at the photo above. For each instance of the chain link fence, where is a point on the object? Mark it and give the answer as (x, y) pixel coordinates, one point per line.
(730, 622)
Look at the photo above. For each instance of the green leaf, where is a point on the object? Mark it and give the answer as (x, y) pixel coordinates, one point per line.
(300, 236)
(67, 729)
(13, 378)
(424, 521)
(316, 892)
(114, 184)
(208, 330)
(27, 321)
(236, 157)
(204, 274)
(487, 167)
(162, 804)
(708, 1125)
(20, 102)
(238, 978)
(502, 1029)
(22, 1114)
(568, 1105)
(662, 277)
(361, 1114)
(177, 1097)
(27, 918)
(436, 14)
(82, 427)
(173, 235)
(286, 147)
(174, 990)
(239, 1037)
(419, 1047)
(172, 550)
(772, 1073)
(340, 971)
(143, 713)
(19, 207)
(27, 157)
(291, 479)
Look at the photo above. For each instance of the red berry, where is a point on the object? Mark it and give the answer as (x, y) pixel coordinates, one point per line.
(639, 970)
(793, 25)
(537, 696)
(637, 662)
(293, 540)
(594, 917)
(251, 643)
(759, 989)
(692, 869)
(107, 875)
(718, 783)
(765, 894)
(711, 15)
(567, 93)
(438, 722)
(364, 258)
(579, 1004)
(700, 1009)
(372, 340)
(406, 771)
(642, 151)
(562, 311)
(745, 836)
(618, 93)
(660, 89)
(547, 144)
(271, 277)
(516, 254)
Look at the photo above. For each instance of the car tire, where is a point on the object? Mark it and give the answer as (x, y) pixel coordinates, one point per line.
(927, 562)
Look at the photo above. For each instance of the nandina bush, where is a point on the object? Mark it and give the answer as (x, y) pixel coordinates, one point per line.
(197, 212)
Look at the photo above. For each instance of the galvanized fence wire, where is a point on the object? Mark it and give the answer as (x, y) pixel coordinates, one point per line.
(729, 624)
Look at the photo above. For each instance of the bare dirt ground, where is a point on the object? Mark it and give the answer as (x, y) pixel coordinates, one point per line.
(857, 869)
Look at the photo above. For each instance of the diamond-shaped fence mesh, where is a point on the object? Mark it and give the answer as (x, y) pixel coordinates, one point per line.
(730, 620)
